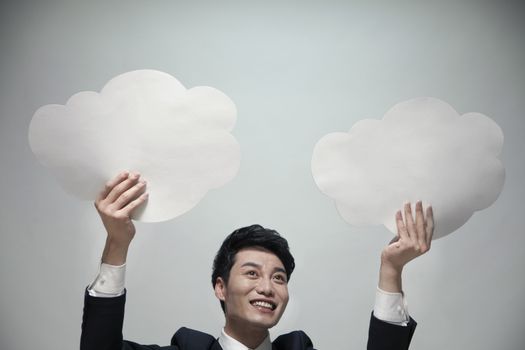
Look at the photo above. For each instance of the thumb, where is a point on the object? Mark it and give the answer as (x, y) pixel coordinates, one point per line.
(394, 240)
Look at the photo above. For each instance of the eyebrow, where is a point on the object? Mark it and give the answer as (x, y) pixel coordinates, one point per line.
(252, 264)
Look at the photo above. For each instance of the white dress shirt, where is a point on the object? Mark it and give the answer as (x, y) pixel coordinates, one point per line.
(228, 343)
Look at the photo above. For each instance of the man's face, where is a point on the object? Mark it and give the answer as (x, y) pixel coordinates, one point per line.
(257, 290)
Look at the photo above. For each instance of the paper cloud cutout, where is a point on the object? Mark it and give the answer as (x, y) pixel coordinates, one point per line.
(144, 121)
(421, 150)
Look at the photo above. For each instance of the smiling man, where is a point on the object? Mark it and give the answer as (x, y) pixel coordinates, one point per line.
(250, 277)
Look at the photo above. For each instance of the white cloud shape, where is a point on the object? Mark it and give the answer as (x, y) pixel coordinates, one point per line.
(422, 149)
(178, 139)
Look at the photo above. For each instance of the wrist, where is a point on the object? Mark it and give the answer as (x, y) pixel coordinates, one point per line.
(115, 252)
(390, 278)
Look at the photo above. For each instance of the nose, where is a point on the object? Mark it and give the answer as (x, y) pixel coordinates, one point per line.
(265, 287)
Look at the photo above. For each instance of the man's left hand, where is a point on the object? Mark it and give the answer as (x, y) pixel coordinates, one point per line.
(413, 239)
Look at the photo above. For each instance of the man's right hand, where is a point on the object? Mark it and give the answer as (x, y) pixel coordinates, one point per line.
(115, 204)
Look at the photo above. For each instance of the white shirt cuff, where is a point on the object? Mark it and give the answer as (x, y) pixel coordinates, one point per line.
(391, 307)
(109, 282)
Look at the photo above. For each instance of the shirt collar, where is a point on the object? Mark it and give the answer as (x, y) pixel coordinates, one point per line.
(228, 343)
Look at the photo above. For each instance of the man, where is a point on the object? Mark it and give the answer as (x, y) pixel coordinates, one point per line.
(250, 278)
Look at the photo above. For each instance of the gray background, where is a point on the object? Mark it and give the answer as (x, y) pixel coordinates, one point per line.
(297, 71)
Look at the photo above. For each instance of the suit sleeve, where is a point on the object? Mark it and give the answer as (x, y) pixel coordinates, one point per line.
(385, 336)
(102, 323)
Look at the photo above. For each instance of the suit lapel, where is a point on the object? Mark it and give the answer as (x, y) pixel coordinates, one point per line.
(297, 340)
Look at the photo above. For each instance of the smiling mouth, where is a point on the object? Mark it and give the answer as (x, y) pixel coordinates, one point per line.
(264, 304)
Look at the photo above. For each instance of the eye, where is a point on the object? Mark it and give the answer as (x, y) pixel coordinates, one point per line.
(280, 278)
(251, 273)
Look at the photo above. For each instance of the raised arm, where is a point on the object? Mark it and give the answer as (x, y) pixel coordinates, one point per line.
(103, 317)
(391, 328)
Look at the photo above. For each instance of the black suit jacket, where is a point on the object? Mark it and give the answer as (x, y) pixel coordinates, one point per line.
(103, 319)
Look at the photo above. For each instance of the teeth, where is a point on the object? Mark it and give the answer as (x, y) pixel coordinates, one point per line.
(263, 304)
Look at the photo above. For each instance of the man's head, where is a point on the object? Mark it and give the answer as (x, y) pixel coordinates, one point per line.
(250, 275)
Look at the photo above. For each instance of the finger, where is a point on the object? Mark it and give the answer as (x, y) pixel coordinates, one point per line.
(110, 184)
(430, 225)
(122, 187)
(130, 195)
(401, 228)
(410, 223)
(420, 227)
(128, 209)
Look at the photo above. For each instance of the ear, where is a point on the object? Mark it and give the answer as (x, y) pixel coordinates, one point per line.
(220, 289)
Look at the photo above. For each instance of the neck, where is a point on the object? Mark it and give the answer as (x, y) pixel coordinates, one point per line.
(249, 336)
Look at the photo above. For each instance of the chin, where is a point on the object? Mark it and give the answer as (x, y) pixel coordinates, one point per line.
(264, 322)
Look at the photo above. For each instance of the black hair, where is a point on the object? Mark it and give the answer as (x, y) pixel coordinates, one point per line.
(250, 236)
